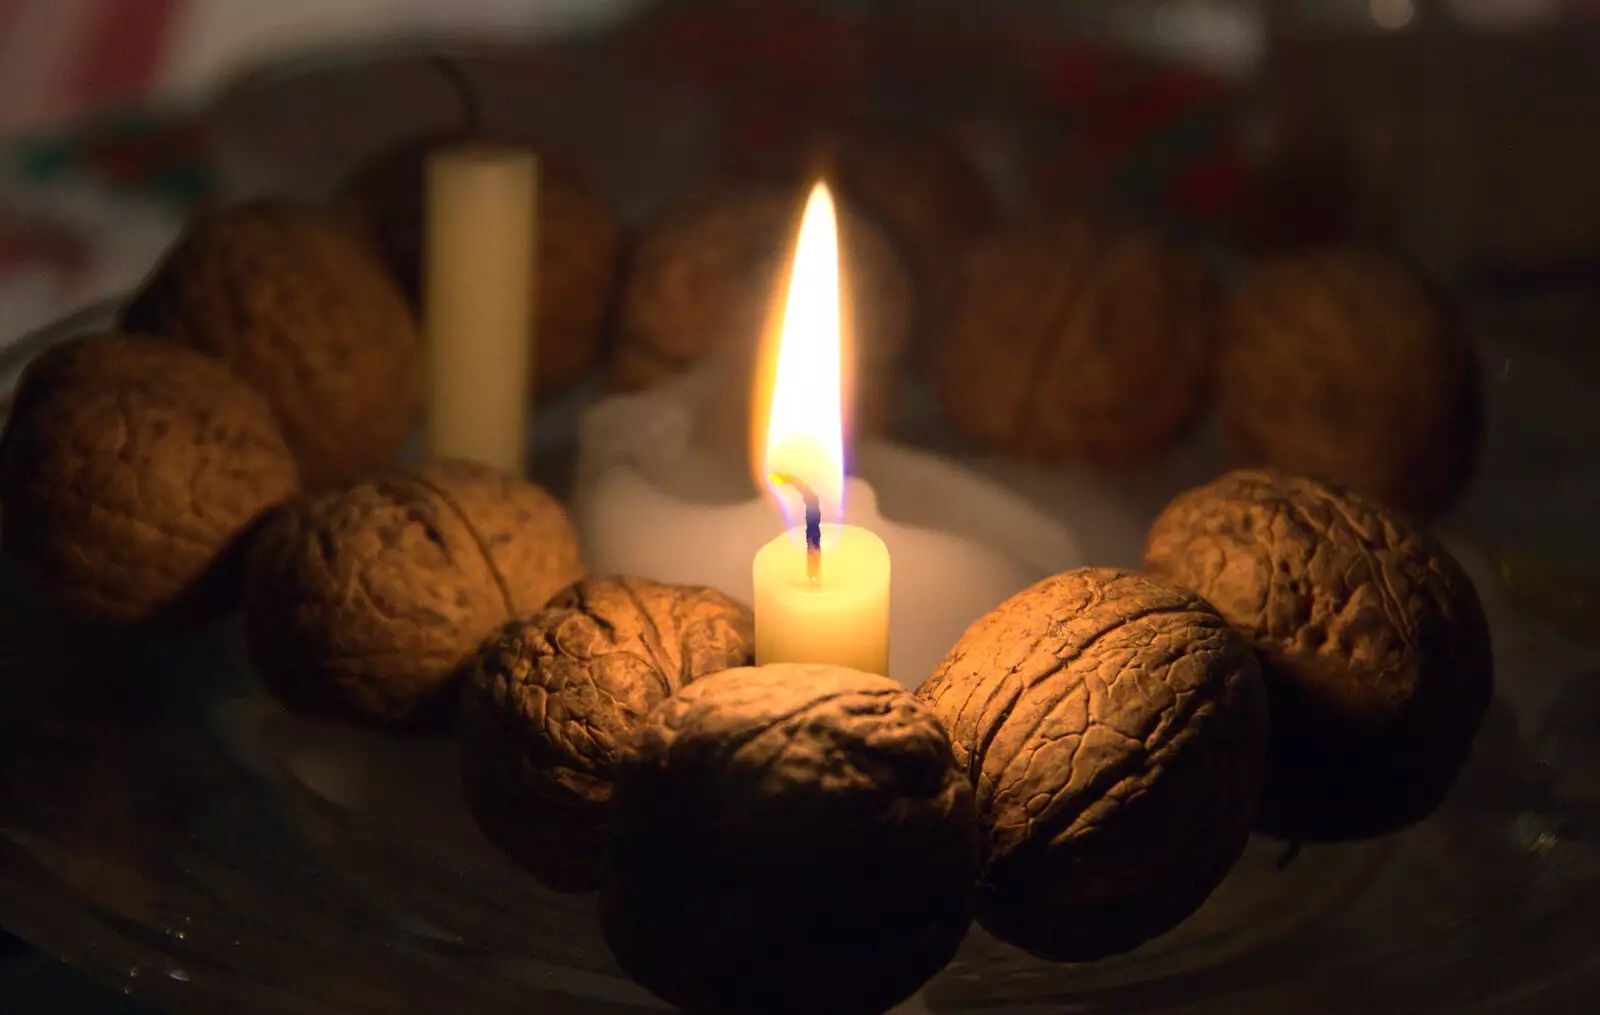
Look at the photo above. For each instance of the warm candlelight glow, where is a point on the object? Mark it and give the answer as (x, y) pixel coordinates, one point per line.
(821, 587)
(804, 376)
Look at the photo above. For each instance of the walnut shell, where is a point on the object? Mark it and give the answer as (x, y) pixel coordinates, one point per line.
(789, 839)
(1114, 728)
(579, 257)
(129, 469)
(1374, 645)
(705, 277)
(1073, 342)
(367, 603)
(288, 298)
(554, 701)
(1341, 364)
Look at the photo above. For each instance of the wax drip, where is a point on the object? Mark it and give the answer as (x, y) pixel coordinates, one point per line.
(808, 496)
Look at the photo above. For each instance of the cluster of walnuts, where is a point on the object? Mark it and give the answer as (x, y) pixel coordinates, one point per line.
(1294, 659)
(1078, 775)
(1075, 341)
(268, 353)
(745, 826)
(239, 433)
(1081, 771)
(1060, 337)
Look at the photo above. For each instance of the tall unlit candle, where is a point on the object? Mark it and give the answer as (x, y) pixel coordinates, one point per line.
(481, 238)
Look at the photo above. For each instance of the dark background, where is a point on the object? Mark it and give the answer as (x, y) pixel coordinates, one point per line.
(31, 984)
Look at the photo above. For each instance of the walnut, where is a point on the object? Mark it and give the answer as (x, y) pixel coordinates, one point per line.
(579, 256)
(129, 469)
(706, 275)
(1341, 364)
(1114, 728)
(1073, 342)
(284, 295)
(789, 839)
(554, 700)
(367, 603)
(1372, 639)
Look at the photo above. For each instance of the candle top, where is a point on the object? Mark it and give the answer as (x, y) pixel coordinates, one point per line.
(477, 152)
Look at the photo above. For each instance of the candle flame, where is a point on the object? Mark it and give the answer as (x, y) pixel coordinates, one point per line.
(803, 377)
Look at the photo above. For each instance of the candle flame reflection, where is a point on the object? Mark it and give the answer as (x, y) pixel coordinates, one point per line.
(800, 395)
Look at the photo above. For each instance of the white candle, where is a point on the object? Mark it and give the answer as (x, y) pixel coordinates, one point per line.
(478, 302)
(821, 588)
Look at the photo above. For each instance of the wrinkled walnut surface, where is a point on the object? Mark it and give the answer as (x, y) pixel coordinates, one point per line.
(1074, 342)
(299, 308)
(554, 702)
(129, 469)
(789, 839)
(367, 602)
(705, 274)
(579, 256)
(1372, 639)
(1114, 729)
(1341, 364)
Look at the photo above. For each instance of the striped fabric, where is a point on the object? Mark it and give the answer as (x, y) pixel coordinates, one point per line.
(60, 59)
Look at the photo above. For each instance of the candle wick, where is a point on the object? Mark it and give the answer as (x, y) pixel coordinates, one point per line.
(813, 505)
(456, 75)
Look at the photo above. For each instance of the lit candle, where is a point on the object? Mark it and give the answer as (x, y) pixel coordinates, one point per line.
(478, 302)
(821, 588)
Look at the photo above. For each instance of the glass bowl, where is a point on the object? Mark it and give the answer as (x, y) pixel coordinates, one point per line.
(167, 827)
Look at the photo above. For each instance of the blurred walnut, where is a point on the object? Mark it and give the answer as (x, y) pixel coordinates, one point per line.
(1341, 364)
(284, 295)
(705, 278)
(368, 602)
(789, 840)
(579, 255)
(1072, 342)
(554, 700)
(129, 469)
(1114, 728)
(1374, 646)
